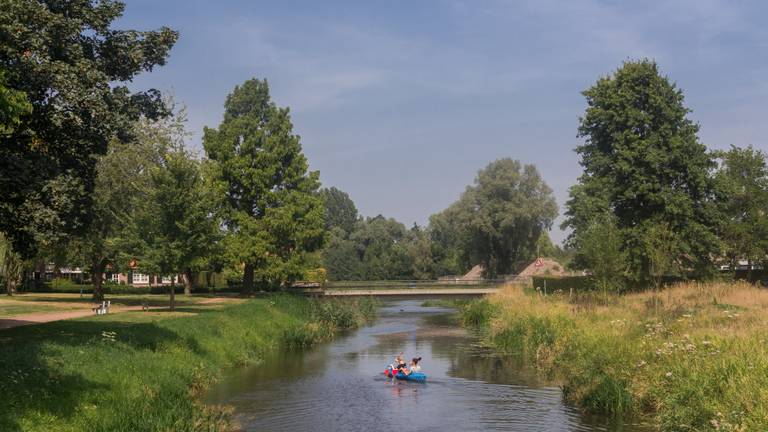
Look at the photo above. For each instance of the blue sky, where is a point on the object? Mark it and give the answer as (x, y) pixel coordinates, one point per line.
(400, 103)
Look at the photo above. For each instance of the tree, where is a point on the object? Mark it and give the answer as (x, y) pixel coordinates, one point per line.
(420, 254)
(742, 182)
(69, 63)
(340, 210)
(177, 224)
(502, 216)
(600, 251)
(643, 164)
(340, 257)
(380, 244)
(274, 213)
(447, 237)
(13, 107)
(11, 266)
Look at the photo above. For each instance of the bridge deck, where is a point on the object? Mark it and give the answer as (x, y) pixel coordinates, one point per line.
(410, 292)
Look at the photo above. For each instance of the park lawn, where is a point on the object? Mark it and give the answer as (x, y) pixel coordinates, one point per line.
(31, 303)
(139, 371)
(13, 308)
(692, 357)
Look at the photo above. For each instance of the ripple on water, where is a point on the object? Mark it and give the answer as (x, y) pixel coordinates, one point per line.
(341, 387)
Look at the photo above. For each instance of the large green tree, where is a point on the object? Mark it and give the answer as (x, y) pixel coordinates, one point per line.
(742, 182)
(274, 213)
(645, 167)
(177, 223)
(499, 219)
(122, 183)
(70, 65)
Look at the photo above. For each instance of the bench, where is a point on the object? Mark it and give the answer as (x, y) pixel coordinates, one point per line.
(101, 308)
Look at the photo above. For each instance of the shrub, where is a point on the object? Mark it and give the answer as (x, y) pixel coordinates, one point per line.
(564, 283)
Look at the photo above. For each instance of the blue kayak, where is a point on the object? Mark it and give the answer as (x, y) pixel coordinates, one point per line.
(414, 376)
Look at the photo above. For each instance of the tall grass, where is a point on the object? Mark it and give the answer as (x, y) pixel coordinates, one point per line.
(145, 371)
(693, 357)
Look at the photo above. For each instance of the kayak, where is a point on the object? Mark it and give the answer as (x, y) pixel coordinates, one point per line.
(413, 376)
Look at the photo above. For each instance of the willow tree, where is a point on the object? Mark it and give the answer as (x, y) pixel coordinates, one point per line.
(274, 213)
(498, 220)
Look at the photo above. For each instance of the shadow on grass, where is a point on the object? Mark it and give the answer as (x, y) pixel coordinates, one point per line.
(151, 300)
(51, 370)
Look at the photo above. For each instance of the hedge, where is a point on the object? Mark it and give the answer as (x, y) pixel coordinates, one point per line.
(564, 283)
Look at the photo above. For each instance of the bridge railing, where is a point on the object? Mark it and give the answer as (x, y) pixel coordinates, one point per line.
(415, 284)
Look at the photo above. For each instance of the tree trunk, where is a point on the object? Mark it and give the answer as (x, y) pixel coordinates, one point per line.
(97, 278)
(173, 295)
(247, 280)
(187, 281)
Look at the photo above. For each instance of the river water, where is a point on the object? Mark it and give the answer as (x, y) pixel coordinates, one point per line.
(340, 386)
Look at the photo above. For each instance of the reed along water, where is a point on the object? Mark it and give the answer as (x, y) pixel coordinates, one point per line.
(341, 386)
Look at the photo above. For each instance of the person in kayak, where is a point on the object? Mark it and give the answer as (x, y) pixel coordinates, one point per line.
(414, 366)
(399, 363)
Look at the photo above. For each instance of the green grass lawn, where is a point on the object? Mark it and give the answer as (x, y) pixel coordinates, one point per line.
(22, 304)
(10, 309)
(145, 371)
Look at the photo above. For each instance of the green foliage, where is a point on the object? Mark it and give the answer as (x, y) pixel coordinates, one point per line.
(145, 372)
(177, 225)
(71, 67)
(379, 249)
(684, 367)
(13, 107)
(340, 210)
(643, 165)
(498, 220)
(273, 211)
(11, 266)
(566, 283)
(478, 313)
(600, 250)
(742, 182)
(65, 285)
(122, 187)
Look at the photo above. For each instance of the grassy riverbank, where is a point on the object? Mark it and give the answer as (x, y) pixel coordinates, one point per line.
(145, 371)
(693, 357)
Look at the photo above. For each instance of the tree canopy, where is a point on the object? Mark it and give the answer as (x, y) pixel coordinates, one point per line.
(274, 213)
(340, 210)
(742, 182)
(499, 219)
(69, 64)
(644, 165)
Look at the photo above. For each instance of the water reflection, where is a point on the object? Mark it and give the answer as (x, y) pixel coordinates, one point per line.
(341, 386)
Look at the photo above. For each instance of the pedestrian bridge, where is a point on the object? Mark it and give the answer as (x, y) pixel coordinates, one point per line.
(410, 292)
(464, 288)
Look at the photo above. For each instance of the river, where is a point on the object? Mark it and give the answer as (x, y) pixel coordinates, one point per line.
(340, 386)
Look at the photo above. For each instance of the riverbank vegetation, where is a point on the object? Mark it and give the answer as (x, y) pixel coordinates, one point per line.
(146, 371)
(691, 357)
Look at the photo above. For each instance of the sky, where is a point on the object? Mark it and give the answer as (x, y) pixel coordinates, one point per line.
(400, 103)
